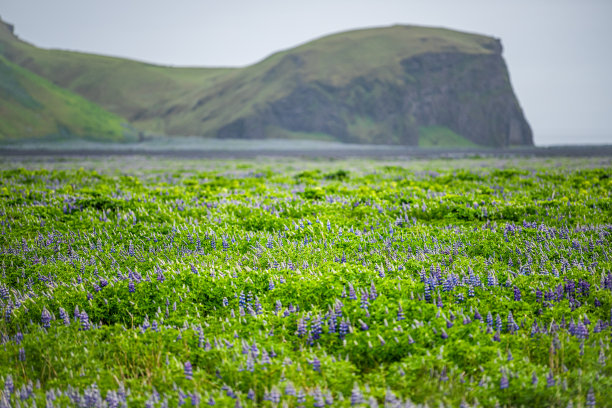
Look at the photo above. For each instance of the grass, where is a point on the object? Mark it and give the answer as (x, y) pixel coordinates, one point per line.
(440, 136)
(33, 107)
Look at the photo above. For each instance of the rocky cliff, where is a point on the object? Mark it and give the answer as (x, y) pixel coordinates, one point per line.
(383, 85)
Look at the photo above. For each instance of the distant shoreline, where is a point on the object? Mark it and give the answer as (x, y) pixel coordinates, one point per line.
(335, 152)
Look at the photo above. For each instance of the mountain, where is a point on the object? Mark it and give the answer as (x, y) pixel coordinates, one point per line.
(400, 85)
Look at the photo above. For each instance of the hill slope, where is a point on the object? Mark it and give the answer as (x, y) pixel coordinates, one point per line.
(385, 85)
(32, 107)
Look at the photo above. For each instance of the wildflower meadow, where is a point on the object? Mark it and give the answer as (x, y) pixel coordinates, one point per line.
(145, 282)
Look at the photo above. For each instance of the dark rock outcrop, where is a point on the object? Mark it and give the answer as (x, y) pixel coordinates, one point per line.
(470, 94)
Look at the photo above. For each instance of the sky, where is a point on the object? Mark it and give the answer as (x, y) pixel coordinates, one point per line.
(559, 52)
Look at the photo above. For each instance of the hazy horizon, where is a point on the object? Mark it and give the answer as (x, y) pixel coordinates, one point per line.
(558, 54)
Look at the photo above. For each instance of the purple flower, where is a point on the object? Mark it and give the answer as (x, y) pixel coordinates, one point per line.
(517, 294)
(590, 399)
(45, 318)
(550, 379)
(503, 383)
(356, 395)
(188, 371)
(290, 389)
(85, 325)
(9, 386)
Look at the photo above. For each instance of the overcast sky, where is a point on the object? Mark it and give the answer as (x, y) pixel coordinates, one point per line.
(559, 52)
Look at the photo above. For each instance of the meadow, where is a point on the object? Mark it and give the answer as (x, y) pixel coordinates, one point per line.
(136, 281)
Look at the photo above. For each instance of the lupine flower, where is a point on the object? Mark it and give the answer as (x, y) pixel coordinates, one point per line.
(290, 389)
(590, 399)
(85, 325)
(317, 396)
(45, 318)
(344, 328)
(188, 371)
(301, 328)
(550, 379)
(517, 294)
(352, 294)
(356, 395)
(534, 379)
(503, 384)
(400, 313)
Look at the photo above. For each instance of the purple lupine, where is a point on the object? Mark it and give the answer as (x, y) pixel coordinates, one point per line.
(290, 389)
(352, 294)
(344, 329)
(503, 383)
(400, 313)
(258, 307)
(85, 325)
(317, 396)
(64, 316)
(188, 371)
(517, 294)
(534, 379)
(364, 300)
(301, 328)
(131, 286)
(316, 364)
(316, 328)
(356, 396)
(275, 395)
(373, 293)
(45, 318)
(22, 354)
(427, 293)
(590, 399)
(4, 292)
(331, 323)
(550, 379)
(9, 386)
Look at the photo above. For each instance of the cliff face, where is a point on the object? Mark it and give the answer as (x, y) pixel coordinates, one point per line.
(469, 94)
(382, 85)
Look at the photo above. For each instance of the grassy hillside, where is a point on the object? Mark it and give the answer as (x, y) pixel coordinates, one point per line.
(127, 88)
(339, 83)
(32, 107)
(332, 61)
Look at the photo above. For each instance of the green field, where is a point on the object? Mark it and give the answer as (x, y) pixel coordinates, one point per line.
(142, 281)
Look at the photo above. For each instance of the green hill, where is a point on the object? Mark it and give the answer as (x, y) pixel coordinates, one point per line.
(32, 107)
(381, 85)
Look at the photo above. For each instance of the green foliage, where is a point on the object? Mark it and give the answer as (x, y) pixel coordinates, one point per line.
(440, 136)
(230, 264)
